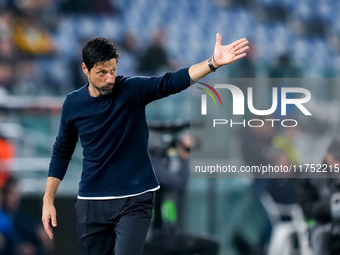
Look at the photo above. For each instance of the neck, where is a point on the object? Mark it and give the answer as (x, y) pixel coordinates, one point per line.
(92, 91)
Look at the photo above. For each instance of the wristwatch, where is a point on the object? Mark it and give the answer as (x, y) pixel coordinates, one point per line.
(211, 66)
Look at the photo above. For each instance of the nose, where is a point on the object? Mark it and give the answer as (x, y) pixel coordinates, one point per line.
(110, 78)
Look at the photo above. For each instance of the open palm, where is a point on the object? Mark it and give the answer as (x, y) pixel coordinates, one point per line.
(226, 54)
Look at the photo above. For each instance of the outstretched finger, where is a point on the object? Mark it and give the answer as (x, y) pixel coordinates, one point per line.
(240, 56)
(242, 50)
(241, 45)
(234, 44)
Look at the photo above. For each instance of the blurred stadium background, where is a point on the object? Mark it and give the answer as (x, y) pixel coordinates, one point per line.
(40, 62)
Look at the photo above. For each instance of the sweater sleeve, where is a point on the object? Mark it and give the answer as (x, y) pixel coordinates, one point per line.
(65, 143)
(147, 89)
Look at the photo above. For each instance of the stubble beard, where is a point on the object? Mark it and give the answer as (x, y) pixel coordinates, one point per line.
(103, 90)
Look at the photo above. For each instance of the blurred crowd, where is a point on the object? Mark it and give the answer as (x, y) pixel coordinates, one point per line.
(298, 208)
(32, 63)
(21, 232)
(25, 37)
(33, 58)
(40, 52)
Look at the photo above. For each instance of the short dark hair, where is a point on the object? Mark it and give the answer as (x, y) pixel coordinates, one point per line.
(98, 51)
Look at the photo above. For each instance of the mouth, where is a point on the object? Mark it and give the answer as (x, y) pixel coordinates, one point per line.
(108, 87)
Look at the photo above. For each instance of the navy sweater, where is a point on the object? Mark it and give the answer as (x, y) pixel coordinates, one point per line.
(113, 133)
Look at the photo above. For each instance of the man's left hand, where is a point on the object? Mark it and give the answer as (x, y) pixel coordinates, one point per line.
(226, 54)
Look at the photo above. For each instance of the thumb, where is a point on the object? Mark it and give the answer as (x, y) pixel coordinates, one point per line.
(218, 39)
(54, 221)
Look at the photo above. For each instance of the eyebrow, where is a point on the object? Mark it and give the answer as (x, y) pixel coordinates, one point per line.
(99, 69)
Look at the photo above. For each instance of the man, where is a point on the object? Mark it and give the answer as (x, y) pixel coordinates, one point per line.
(116, 191)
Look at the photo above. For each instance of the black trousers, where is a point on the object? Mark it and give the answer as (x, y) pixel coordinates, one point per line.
(114, 227)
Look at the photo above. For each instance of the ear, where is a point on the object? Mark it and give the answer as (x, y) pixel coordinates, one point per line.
(85, 70)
